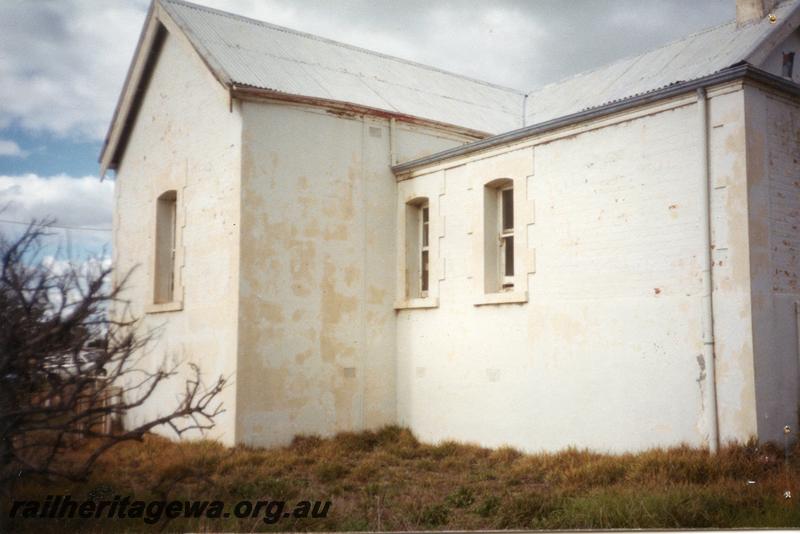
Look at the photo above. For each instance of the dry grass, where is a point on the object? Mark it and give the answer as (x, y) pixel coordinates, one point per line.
(387, 480)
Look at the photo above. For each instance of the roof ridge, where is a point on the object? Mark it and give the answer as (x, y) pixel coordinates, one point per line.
(308, 35)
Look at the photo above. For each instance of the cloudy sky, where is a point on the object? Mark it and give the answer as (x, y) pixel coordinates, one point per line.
(62, 63)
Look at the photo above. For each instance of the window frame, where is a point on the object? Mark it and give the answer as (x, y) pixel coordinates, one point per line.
(492, 284)
(505, 236)
(417, 278)
(424, 249)
(165, 281)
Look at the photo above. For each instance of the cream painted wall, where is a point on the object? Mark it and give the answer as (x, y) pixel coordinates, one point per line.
(317, 334)
(605, 350)
(730, 242)
(186, 139)
(292, 270)
(773, 153)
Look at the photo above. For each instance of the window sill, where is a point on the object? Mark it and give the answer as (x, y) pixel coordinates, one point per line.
(504, 297)
(164, 307)
(408, 304)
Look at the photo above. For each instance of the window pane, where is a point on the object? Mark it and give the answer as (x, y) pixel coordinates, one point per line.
(164, 279)
(425, 226)
(424, 281)
(173, 232)
(508, 209)
(508, 245)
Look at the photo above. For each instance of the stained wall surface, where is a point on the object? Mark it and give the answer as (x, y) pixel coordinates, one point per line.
(185, 139)
(773, 153)
(317, 323)
(292, 274)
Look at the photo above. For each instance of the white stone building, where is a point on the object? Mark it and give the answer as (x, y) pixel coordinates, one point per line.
(609, 262)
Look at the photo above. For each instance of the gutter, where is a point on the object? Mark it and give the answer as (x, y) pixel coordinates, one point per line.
(734, 72)
(246, 92)
(708, 363)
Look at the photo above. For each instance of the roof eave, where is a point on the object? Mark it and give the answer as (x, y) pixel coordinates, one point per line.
(742, 70)
(245, 92)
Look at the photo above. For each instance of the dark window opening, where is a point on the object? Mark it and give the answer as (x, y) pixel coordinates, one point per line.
(788, 64)
(424, 280)
(424, 249)
(508, 209)
(508, 246)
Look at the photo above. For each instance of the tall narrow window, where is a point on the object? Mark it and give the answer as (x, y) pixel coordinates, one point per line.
(506, 237)
(498, 235)
(166, 215)
(417, 248)
(424, 250)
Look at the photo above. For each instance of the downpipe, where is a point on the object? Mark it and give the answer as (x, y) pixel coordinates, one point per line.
(709, 357)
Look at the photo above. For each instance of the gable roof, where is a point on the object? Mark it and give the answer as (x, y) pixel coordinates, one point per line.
(690, 58)
(250, 56)
(256, 54)
(247, 53)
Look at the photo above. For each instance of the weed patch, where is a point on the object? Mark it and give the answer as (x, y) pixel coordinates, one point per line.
(386, 480)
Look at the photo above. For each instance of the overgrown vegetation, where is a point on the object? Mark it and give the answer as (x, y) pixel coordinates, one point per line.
(387, 480)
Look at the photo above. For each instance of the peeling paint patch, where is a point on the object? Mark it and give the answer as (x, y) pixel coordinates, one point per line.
(701, 363)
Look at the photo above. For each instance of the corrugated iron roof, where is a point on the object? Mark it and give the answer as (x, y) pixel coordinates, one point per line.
(690, 58)
(737, 72)
(265, 56)
(254, 54)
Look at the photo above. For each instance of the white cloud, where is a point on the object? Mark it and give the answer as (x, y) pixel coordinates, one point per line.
(73, 203)
(84, 201)
(11, 149)
(64, 61)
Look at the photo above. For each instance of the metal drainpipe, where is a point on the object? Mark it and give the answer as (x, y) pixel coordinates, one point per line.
(710, 391)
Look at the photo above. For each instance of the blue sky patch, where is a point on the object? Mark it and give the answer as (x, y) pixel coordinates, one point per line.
(47, 154)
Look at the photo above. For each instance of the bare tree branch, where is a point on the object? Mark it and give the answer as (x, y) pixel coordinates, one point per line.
(68, 367)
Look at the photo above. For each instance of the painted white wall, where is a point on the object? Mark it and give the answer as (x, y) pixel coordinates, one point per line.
(317, 334)
(773, 153)
(185, 138)
(606, 350)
